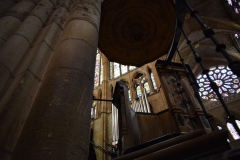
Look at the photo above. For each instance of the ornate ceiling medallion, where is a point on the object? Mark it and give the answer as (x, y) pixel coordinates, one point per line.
(136, 32)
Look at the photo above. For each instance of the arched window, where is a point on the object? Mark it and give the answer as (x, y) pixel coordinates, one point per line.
(116, 69)
(141, 84)
(233, 7)
(98, 70)
(152, 79)
(237, 37)
(227, 82)
(238, 123)
(219, 127)
(236, 40)
(138, 90)
(146, 86)
(93, 110)
(232, 130)
(129, 95)
(124, 69)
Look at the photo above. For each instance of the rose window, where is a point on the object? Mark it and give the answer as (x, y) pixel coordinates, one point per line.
(227, 82)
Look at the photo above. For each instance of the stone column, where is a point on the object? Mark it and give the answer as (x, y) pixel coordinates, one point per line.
(58, 125)
(106, 106)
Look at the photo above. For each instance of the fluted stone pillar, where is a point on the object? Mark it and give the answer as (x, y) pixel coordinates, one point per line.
(18, 95)
(58, 125)
(17, 14)
(14, 49)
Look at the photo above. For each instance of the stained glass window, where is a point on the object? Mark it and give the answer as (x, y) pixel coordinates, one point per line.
(116, 69)
(124, 69)
(238, 123)
(227, 82)
(132, 68)
(233, 131)
(97, 70)
(146, 86)
(153, 81)
(219, 127)
(93, 110)
(101, 72)
(234, 5)
(236, 40)
(111, 70)
(138, 90)
(237, 37)
(129, 95)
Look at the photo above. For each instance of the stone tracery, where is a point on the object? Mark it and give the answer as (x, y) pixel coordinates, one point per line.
(227, 82)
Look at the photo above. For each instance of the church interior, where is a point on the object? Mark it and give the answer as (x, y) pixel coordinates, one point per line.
(119, 79)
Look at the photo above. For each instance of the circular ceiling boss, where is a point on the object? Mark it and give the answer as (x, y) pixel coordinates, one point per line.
(136, 32)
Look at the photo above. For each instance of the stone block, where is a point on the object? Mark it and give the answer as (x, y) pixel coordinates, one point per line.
(8, 25)
(21, 10)
(42, 10)
(13, 51)
(24, 29)
(74, 54)
(41, 60)
(82, 30)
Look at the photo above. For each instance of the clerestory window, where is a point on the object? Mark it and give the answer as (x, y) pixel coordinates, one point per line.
(117, 70)
(98, 70)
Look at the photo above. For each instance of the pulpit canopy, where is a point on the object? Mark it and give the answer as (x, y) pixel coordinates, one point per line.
(136, 32)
